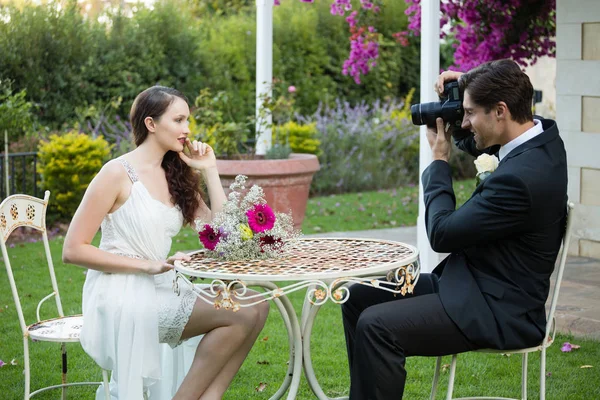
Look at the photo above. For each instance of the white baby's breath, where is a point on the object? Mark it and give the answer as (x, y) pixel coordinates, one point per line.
(232, 220)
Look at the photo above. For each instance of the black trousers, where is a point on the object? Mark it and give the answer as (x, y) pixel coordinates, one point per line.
(382, 330)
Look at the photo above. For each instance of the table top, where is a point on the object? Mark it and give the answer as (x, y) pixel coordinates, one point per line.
(308, 258)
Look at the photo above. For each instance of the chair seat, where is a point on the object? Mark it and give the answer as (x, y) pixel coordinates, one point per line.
(539, 347)
(62, 329)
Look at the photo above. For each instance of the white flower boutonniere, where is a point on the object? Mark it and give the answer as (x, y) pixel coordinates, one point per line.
(485, 164)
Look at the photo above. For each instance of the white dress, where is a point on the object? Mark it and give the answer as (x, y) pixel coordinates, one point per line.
(126, 316)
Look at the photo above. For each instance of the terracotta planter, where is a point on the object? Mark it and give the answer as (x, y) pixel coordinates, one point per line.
(286, 183)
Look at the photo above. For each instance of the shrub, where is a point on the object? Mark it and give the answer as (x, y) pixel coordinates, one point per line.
(47, 50)
(66, 60)
(300, 138)
(363, 148)
(67, 165)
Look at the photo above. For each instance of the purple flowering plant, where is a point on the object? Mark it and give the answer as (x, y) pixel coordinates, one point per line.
(247, 228)
(364, 146)
(486, 30)
(364, 38)
(479, 30)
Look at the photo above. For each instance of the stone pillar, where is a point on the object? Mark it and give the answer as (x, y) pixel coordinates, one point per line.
(578, 114)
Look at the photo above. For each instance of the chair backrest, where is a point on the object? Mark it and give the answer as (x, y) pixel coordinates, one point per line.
(559, 273)
(23, 210)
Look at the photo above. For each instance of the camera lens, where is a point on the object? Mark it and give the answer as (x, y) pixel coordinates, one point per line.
(425, 113)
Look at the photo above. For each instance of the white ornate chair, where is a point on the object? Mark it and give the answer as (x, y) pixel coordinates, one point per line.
(547, 342)
(22, 210)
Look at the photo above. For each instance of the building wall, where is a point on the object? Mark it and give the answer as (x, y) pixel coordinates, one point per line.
(578, 114)
(543, 77)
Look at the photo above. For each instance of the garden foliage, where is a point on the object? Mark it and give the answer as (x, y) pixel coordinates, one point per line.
(363, 147)
(67, 165)
(486, 30)
(66, 61)
(302, 138)
(15, 114)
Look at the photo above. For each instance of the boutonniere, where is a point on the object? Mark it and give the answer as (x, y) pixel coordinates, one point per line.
(485, 164)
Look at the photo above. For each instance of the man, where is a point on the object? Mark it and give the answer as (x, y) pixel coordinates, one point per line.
(503, 242)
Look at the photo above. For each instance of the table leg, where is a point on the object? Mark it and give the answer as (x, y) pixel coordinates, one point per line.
(290, 371)
(290, 319)
(309, 372)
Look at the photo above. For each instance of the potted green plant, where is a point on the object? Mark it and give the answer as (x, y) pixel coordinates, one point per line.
(284, 175)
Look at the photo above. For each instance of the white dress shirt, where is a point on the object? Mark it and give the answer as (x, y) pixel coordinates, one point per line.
(524, 137)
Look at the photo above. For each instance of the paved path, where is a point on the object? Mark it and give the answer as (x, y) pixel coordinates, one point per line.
(578, 310)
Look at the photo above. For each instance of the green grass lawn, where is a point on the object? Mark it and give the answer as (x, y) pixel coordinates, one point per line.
(494, 375)
(370, 210)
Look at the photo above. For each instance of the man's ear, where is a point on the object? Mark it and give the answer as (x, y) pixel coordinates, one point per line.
(150, 125)
(502, 111)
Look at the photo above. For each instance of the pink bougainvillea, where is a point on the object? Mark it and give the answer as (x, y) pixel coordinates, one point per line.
(486, 30)
(480, 30)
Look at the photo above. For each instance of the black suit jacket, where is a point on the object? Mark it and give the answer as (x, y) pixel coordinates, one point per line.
(503, 241)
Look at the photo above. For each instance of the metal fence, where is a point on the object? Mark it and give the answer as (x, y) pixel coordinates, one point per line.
(22, 174)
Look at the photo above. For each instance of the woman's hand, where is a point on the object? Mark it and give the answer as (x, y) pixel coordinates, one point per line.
(200, 155)
(153, 267)
(179, 256)
(158, 267)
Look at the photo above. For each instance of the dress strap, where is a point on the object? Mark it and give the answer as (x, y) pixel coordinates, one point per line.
(130, 171)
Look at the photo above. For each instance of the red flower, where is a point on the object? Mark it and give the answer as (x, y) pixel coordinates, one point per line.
(268, 240)
(260, 218)
(209, 237)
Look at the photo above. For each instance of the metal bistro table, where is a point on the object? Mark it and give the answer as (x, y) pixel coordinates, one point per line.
(323, 266)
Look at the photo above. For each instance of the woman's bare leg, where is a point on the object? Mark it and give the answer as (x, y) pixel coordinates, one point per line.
(218, 387)
(228, 337)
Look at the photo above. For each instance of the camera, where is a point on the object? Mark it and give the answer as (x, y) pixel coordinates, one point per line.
(449, 108)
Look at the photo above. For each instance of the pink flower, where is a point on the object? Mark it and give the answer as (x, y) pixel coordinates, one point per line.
(566, 347)
(292, 89)
(260, 218)
(2, 363)
(209, 237)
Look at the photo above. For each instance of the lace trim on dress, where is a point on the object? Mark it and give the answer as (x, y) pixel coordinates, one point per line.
(130, 171)
(171, 324)
(137, 257)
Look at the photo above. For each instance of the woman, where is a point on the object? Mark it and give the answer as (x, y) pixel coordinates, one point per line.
(141, 200)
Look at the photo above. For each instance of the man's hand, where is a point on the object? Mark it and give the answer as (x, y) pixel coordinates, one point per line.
(444, 77)
(439, 141)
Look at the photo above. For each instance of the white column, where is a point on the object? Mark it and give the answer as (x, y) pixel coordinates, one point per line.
(430, 68)
(264, 71)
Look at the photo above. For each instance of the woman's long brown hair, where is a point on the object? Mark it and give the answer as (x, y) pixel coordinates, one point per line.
(183, 182)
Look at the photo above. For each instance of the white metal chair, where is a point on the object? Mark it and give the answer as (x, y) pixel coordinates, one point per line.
(547, 342)
(22, 210)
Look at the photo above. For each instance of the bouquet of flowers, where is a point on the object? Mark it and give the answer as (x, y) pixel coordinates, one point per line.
(247, 228)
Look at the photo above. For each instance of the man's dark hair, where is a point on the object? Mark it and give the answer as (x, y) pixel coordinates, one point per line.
(497, 81)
